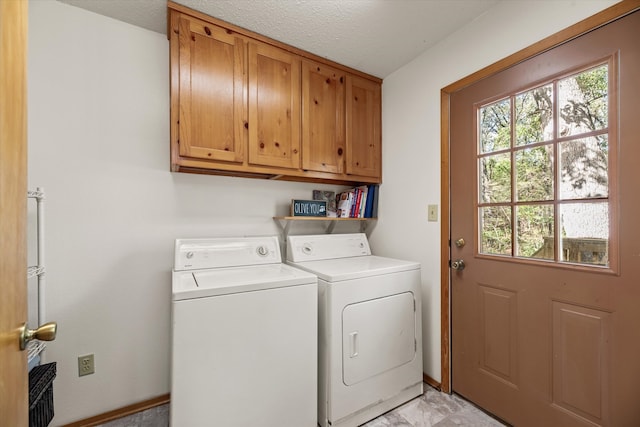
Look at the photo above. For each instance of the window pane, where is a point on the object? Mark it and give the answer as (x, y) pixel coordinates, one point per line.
(495, 126)
(535, 231)
(495, 230)
(495, 178)
(534, 115)
(584, 168)
(534, 174)
(583, 102)
(585, 233)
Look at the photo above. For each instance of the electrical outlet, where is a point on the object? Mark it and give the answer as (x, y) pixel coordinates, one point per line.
(85, 365)
(432, 212)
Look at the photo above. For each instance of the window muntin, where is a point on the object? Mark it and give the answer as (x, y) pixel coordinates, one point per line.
(543, 171)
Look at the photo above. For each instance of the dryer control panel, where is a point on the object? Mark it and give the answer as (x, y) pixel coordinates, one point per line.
(327, 246)
(194, 254)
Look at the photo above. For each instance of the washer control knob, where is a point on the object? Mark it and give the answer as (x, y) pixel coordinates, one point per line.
(307, 249)
(189, 255)
(262, 250)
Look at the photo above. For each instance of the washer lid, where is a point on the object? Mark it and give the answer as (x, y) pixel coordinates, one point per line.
(336, 270)
(232, 280)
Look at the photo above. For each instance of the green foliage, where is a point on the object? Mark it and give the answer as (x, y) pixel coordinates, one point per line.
(584, 165)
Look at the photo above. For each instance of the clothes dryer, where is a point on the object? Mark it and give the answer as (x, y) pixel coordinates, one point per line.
(369, 327)
(244, 345)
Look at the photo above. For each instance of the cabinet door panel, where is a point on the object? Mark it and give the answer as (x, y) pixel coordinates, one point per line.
(212, 92)
(323, 118)
(364, 110)
(274, 107)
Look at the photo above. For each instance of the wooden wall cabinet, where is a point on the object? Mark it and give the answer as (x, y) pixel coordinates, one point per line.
(212, 87)
(246, 105)
(364, 124)
(323, 118)
(274, 107)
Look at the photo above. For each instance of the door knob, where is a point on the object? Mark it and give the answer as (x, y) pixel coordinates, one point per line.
(458, 265)
(46, 332)
(460, 242)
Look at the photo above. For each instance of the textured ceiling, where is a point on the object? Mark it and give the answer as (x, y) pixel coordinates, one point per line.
(374, 36)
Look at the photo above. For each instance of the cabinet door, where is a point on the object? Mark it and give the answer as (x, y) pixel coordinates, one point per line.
(274, 107)
(212, 92)
(364, 110)
(323, 118)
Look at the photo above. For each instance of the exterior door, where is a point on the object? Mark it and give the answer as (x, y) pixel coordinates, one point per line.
(544, 212)
(13, 211)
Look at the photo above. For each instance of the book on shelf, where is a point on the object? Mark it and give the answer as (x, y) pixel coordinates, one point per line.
(364, 190)
(358, 202)
(374, 204)
(344, 202)
(368, 209)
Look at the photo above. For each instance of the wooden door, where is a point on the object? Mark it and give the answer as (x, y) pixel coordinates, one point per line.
(545, 319)
(213, 99)
(274, 107)
(364, 109)
(323, 118)
(13, 211)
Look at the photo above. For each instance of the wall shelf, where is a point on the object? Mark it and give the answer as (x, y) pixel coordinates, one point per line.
(284, 222)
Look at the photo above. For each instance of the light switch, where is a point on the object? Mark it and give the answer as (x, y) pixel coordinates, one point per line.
(432, 213)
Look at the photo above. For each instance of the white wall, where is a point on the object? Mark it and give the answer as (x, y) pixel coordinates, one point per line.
(99, 145)
(411, 134)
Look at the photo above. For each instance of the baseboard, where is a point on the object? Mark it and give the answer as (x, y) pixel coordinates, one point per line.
(433, 383)
(121, 412)
(161, 400)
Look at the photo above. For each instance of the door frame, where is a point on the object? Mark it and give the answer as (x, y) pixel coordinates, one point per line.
(600, 19)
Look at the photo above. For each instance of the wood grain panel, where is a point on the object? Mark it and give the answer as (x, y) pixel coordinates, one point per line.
(498, 336)
(212, 85)
(13, 213)
(364, 109)
(323, 118)
(274, 112)
(581, 361)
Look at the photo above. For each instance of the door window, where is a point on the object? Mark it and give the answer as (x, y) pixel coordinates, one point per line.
(543, 170)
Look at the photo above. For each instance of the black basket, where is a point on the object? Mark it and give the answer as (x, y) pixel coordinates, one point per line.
(41, 394)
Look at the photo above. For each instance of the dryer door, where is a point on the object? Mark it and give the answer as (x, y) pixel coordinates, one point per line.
(377, 335)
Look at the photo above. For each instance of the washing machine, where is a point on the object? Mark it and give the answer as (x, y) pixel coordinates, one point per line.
(369, 327)
(244, 341)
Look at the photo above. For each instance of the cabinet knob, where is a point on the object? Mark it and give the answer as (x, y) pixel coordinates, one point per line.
(339, 151)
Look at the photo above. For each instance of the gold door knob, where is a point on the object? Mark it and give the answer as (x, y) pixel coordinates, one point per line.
(458, 265)
(46, 332)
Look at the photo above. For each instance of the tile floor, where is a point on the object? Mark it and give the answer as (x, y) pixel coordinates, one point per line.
(432, 409)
